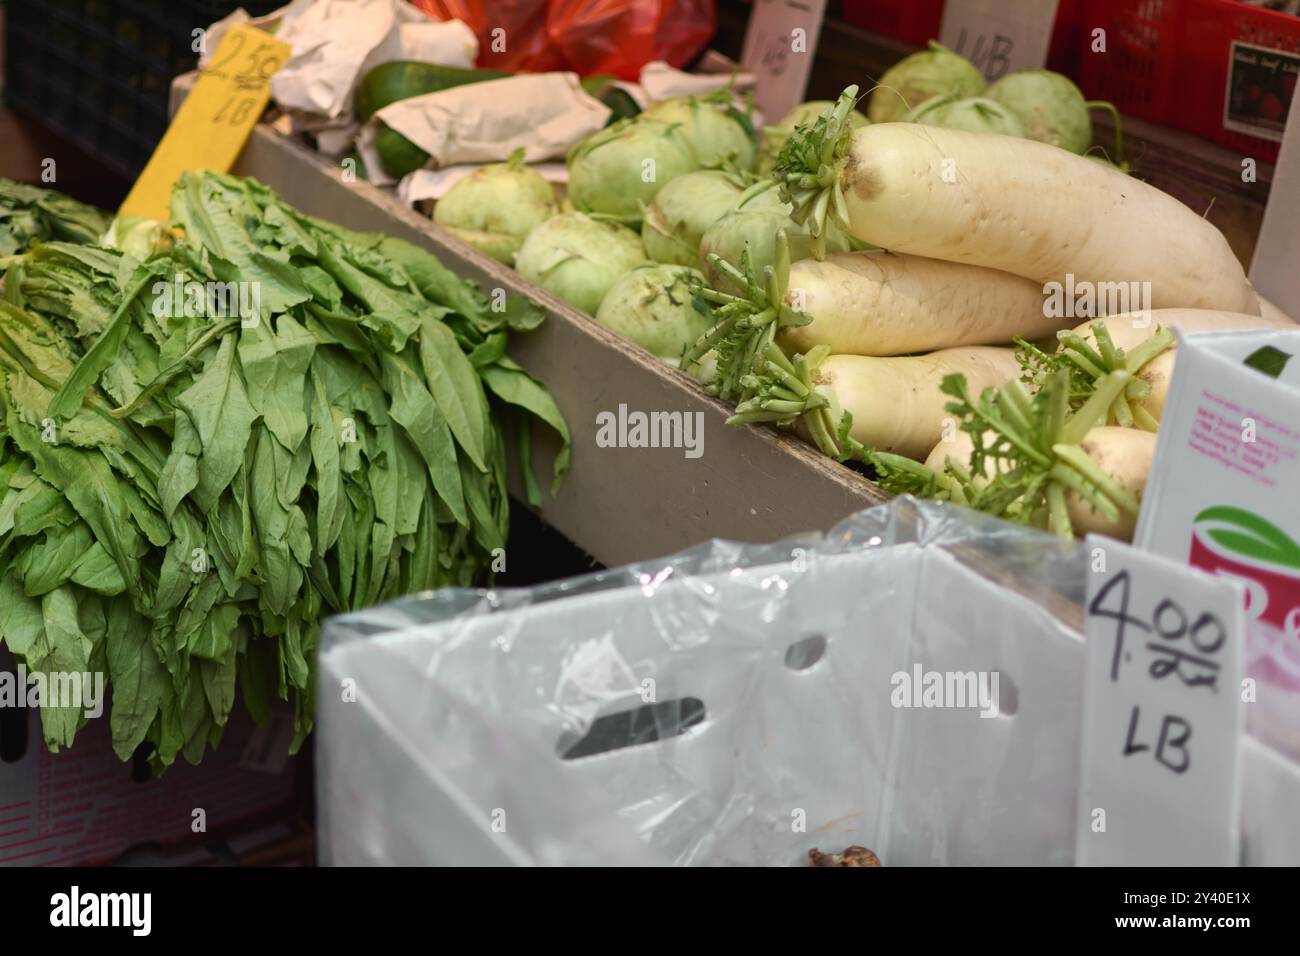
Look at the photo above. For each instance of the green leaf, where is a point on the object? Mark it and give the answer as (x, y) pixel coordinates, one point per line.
(478, 494)
(1258, 537)
(214, 488)
(325, 458)
(219, 408)
(68, 654)
(435, 281)
(490, 351)
(414, 408)
(385, 489)
(280, 573)
(180, 474)
(1269, 360)
(34, 508)
(522, 315)
(137, 677)
(22, 626)
(214, 639)
(69, 397)
(513, 385)
(455, 386)
(275, 366)
(219, 685)
(95, 494)
(50, 561)
(98, 573)
(257, 668)
(213, 210)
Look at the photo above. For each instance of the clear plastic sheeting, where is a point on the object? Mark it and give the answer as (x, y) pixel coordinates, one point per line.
(733, 704)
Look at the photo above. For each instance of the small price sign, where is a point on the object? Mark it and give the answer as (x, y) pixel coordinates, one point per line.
(215, 121)
(997, 36)
(780, 42)
(1162, 713)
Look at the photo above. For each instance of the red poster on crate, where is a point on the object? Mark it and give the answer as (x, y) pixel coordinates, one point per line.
(1217, 68)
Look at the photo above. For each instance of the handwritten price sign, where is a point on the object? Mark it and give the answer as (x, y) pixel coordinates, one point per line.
(1162, 713)
(999, 37)
(214, 122)
(779, 45)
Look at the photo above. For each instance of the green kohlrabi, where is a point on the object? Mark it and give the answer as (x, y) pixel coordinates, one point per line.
(717, 130)
(617, 171)
(914, 79)
(496, 206)
(974, 114)
(137, 236)
(579, 258)
(653, 305)
(753, 225)
(684, 209)
(1053, 110)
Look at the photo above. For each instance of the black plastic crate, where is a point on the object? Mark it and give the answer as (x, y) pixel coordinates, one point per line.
(98, 71)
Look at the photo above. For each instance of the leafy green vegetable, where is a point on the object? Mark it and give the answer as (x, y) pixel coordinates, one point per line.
(189, 483)
(29, 214)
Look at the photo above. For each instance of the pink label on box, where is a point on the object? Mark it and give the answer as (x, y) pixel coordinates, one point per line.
(1272, 584)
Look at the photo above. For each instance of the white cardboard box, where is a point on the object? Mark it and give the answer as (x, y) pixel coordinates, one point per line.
(1224, 495)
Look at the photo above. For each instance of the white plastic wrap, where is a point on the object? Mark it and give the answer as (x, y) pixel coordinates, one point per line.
(444, 718)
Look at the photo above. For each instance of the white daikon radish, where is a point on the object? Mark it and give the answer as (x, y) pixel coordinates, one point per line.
(881, 303)
(1125, 454)
(956, 447)
(895, 403)
(1011, 204)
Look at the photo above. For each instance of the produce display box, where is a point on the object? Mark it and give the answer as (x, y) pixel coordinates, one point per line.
(619, 504)
(782, 702)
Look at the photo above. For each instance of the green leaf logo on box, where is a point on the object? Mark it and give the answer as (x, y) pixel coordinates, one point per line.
(1246, 533)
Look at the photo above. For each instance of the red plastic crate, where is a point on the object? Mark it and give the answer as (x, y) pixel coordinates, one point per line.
(1183, 63)
(912, 21)
(918, 22)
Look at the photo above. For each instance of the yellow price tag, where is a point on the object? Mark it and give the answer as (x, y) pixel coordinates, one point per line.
(215, 121)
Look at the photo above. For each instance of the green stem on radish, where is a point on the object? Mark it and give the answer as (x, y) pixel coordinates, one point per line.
(745, 324)
(1060, 513)
(1119, 129)
(1088, 366)
(1077, 458)
(1034, 444)
(1094, 410)
(808, 167)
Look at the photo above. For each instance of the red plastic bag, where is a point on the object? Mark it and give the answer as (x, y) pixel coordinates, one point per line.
(586, 36)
